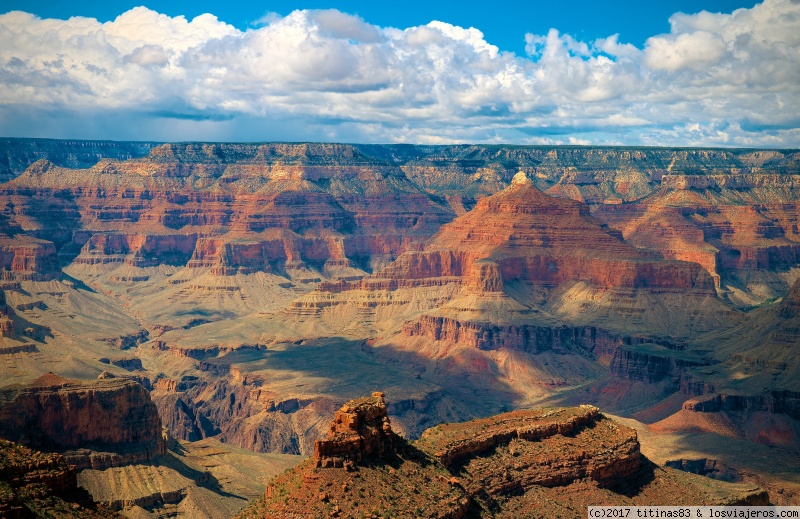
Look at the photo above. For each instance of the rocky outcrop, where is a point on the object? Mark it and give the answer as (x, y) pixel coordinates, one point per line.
(786, 402)
(97, 424)
(138, 250)
(35, 484)
(456, 444)
(21, 467)
(28, 258)
(360, 429)
(653, 363)
(492, 467)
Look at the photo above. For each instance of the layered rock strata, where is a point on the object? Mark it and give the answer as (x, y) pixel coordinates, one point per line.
(330, 202)
(527, 433)
(28, 258)
(529, 338)
(361, 428)
(521, 234)
(517, 253)
(97, 424)
(785, 402)
(734, 224)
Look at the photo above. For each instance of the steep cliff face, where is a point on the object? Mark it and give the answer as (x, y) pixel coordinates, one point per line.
(28, 258)
(653, 363)
(182, 420)
(785, 402)
(236, 409)
(113, 417)
(528, 338)
(138, 250)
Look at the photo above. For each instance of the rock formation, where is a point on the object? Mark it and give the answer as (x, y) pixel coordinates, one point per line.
(520, 254)
(28, 258)
(107, 422)
(489, 467)
(35, 484)
(152, 209)
(530, 432)
(739, 226)
(361, 428)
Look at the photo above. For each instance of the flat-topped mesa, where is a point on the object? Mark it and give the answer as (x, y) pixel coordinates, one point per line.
(28, 258)
(598, 448)
(360, 429)
(94, 424)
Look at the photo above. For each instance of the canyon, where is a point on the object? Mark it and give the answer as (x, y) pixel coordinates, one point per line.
(239, 294)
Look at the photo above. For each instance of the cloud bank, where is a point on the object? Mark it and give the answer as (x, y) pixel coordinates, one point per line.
(713, 80)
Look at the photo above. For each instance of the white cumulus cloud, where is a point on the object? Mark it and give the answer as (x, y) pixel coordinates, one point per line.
(714, 79)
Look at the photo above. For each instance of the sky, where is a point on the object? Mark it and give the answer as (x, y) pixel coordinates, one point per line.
(678, 73)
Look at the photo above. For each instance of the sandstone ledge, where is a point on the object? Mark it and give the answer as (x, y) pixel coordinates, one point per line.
(607, 451)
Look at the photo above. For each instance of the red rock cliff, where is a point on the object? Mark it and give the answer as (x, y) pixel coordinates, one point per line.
(114, 417)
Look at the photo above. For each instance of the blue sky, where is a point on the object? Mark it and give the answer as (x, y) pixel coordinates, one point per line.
(581, 72)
